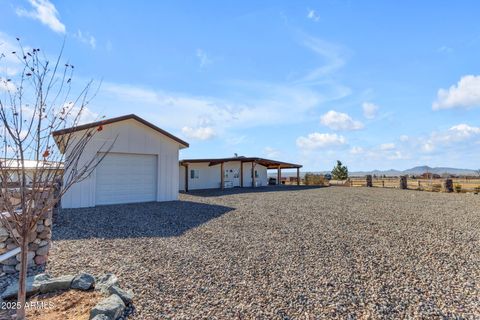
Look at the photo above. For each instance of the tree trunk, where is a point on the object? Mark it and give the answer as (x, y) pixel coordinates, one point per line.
(22, 280)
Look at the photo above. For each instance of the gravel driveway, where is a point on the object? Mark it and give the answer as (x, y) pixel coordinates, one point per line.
(284, 253)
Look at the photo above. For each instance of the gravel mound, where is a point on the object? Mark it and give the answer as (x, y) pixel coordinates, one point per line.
(284, 252)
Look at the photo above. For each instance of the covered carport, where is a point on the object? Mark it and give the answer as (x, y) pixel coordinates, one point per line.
(230, 172)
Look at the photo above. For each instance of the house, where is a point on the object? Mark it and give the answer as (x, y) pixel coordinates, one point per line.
(12, 169)
(229, 172)
(141, 166)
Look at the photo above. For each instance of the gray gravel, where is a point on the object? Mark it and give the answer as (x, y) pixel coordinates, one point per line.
(336, 252)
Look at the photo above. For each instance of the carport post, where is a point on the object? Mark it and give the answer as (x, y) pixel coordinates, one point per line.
(253, 174)
(186, 177)
(279, 175)
(298, 176)
(241, 174)
(222, 176)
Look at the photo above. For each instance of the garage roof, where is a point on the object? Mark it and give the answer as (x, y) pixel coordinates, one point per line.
(270, 164)
(118, 119)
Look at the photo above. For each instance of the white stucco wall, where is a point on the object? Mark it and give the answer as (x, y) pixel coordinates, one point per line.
(210, 177)
(131, 137)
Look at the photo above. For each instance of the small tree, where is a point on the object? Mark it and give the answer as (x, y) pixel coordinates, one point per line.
(34, 102)
(340, 172)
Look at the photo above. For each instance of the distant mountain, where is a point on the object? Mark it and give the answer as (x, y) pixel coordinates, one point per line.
(392, 172)
(417, 171)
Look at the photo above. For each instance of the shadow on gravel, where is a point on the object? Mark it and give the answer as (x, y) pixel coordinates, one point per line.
(238, 190)
(152, 219)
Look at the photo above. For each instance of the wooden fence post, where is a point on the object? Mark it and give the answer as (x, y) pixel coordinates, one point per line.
(369, 180)
(403, 182)
(448, 186)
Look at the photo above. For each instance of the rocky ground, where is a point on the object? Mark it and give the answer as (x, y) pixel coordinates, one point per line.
(284, 253)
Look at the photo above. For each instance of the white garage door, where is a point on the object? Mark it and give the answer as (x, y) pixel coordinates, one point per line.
(126, 178)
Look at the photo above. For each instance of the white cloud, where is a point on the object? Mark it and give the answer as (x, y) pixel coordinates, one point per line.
(199, 133)
(317, 140)
(86, 38)
(404, 138)
(465, 94)
(396, 155)
(387, 146)
(312, 15)
(453, 136)
(271, 152)
(369, 110)
(332, 54)
(266, 104)
(45, 12)
(356, 150)
(339, 121)
(203, 58)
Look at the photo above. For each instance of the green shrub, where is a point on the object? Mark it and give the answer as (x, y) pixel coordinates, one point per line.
(314, 179)
(340, 172)
(436, 187)
(457, 187)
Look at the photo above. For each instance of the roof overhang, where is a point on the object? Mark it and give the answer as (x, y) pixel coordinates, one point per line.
(59, 133)
(270, 164)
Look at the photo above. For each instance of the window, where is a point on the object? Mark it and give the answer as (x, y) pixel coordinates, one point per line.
(194, 174)
(256, 174)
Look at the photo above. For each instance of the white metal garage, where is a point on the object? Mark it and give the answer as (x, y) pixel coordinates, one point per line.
(141, 166)
(126, 178)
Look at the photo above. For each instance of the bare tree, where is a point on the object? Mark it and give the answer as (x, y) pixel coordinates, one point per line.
(34, 103)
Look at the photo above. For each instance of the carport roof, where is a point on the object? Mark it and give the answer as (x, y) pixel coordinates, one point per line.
(270, 164)
(118, 119)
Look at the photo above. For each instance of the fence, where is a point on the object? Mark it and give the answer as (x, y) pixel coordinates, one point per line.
(459, 184)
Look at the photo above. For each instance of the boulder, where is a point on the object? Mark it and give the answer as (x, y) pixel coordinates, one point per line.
(83, 281)
(33, 287)
(30, 256)
(104, 282)
(12, 261)
(47, 222)
(3, 244)
(55, 284)
(40, 260)
(40, 228)
(42, 243)
(4, 234)
(112, 307)
(126, 296)
(43, 251)
(9, 269)
(11, 246)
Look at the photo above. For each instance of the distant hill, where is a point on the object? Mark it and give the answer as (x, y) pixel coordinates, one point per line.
(392, 172)
(417, 171)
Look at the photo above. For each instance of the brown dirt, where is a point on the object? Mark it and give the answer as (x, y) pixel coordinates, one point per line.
(65, 305)
(69, 305)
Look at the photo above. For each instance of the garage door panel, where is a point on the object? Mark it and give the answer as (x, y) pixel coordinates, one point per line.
(126, 178)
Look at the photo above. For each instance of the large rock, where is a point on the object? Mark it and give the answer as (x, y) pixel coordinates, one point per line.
(105, 282)
(43, 251)
(30, 256)
(3, 234)
(40, 260)
(33, 286)
(112, 307)
(55, 284)
(100, 317)
(126, 296)
(83, 281)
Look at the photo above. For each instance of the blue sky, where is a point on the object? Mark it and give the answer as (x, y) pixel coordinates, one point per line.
(376, 84)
